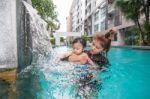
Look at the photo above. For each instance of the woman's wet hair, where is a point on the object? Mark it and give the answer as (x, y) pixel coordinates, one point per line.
(105, 39)
(79, 40)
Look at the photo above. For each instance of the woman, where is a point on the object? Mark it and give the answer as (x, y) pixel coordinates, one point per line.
(100, 46)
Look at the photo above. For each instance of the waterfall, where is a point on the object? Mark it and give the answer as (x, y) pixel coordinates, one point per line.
(33, 47)
(40, 37)
(33, 38)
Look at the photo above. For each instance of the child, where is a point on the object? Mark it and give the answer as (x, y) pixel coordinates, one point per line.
(99, 48)
(77, 55)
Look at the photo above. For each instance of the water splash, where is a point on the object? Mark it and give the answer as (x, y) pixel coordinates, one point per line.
(44, 77)
(40, 37)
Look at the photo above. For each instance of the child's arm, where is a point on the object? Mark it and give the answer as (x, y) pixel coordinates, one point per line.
(65, 55)
(62, 56)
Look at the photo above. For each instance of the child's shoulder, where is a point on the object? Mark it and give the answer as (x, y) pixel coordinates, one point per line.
(84, 54)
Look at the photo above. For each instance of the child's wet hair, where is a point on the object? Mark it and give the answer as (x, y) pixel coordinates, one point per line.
(80, 40)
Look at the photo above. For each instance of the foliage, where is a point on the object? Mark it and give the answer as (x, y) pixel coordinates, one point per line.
(61, 39)
(46, 9)
(133, 37)
(52, 39)
(130, 12)
(51, 35)
(146, 27)
(133, 10)
(86, 37)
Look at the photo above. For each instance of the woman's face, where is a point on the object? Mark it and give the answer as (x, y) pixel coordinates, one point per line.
(96, 47)
(77, 48)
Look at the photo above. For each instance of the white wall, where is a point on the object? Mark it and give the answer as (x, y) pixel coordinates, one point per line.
(8, 40)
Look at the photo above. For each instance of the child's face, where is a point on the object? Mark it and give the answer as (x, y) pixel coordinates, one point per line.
(77, 48)
(96, 47)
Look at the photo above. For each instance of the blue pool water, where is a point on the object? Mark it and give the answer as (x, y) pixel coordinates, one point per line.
(128, 77)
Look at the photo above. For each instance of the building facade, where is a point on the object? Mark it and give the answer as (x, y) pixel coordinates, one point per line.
(98, 16)
(75, 20)
(69, 23)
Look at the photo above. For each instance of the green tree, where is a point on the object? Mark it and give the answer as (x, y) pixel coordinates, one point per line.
(133, 10)
(52, 39)
(46, 9)
(85, 37)
(62, 39)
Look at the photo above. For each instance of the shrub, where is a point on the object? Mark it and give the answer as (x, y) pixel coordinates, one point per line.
(61, 39)
(52, 40)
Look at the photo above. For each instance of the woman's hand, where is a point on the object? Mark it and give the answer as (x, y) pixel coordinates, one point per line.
(94, 67)
(113, 30)
(102, 68)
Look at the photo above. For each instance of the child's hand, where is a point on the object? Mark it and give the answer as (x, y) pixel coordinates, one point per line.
(57, 60)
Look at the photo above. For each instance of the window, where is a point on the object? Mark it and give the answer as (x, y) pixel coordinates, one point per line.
(118, 18)
(95, 3)
(85, 12)
(86, 2)
(81, 27)
(103, 12)
(96, 16)
(78, 21)
(103, 25)
(115, 37)
(96, 27)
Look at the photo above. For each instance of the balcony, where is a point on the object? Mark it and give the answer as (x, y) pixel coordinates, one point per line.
(111, 8)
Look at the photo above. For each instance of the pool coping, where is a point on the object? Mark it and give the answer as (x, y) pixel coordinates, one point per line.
(131, 47)
(134, 47)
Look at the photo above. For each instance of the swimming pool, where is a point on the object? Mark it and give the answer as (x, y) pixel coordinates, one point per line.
(129, 75)
(128, 78)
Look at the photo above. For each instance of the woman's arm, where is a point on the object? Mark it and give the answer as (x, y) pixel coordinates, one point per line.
(91, 62)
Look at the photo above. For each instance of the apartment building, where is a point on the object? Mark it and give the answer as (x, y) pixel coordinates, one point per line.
(115, 18)
(76, 16)
(69, 23)
(88, 17)
(98, 16)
